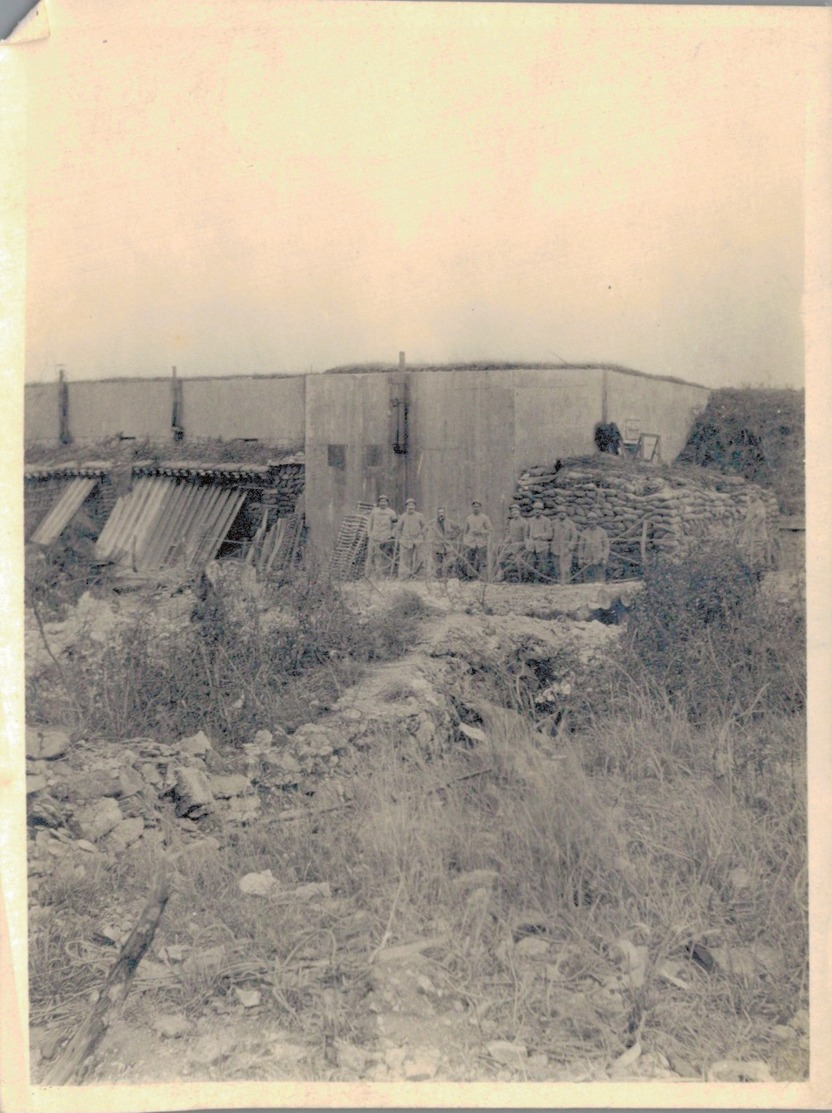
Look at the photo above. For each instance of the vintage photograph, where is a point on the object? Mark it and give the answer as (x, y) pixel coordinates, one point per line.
(414, 544)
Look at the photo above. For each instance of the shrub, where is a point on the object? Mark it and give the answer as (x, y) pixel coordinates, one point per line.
(713, 642)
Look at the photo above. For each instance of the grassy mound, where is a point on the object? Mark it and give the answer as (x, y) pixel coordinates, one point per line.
(760, 435)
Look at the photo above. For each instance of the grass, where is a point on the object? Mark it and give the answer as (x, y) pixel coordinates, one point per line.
(231, 671)
(623, 834)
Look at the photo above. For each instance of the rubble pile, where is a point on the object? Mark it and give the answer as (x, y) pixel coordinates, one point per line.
(647, 512)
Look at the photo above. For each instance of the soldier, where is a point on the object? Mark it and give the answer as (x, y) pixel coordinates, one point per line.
(511, 559)
(380, 535)
(562, 546)
(593, 554)
(475, 540)
(410, 535)
(538, 538)
(443, 536)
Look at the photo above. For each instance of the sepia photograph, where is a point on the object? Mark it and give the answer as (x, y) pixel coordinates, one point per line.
(412, 554)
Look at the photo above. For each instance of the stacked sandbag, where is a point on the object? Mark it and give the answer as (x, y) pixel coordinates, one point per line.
(658, 513)
(286, 483)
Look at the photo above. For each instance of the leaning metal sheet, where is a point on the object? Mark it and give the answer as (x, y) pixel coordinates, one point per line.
(64, 510)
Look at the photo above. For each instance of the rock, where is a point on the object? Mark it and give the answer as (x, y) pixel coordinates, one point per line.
(130, 782)
(192, 792)
(248, 998)
(408, 952)
(258, 884)
(172, 1026)
(312, 891)
(284, 761)
(242, 809)
(46, 743)
(288, 1052)
(508, 1054)
(124, 835)
(197, 745)
(350, 1057)
(475, 879)
(394, 1057)
(263, 739)
(212, 1047)
(532, 947)
(97, 820)
(233, 784)
(36, 783)
(783, 1032)
(734, 1070)
(422, 1067)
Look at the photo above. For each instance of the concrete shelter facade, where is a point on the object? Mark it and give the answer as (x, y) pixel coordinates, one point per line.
(442, 435)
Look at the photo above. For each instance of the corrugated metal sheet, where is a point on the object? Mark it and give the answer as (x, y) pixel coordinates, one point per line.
(166, 522)
(64, 510)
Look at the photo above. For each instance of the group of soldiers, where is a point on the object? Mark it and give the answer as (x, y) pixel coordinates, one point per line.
(538, 548)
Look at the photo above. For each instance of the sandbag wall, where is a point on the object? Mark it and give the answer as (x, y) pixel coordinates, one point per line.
(286, 483)
(647, 513)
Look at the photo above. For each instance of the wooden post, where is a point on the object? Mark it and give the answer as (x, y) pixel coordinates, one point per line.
(176, 407)
(63, 408)
(74, 1060)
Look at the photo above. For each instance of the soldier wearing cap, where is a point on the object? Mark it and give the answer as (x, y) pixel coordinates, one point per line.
(538, 536)
(410, 535)
(593, 553)
(511, 559)
(475, 538)
(562, 546)
(380, 538)
(443, 537)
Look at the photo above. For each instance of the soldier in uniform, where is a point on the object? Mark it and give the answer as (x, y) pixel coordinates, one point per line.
(443, 538)
(475, 540)
(511, 559)
(380, 535)
(538, 539)
(593, 554)
(410, 535)
(562, 546)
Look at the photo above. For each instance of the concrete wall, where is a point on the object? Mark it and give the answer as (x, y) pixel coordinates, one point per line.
(657, 406)
(353, 413)
(270, 409)
(41, 422)
(134, 407)
(462, 426)
(555, 413)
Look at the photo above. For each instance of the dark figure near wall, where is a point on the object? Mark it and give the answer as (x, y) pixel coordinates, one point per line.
(608, 438)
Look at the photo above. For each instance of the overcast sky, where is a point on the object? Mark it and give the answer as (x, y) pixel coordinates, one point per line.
(316, 184)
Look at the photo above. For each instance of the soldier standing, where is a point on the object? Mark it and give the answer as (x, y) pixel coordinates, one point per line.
(380, 534)
(410, 533)
(593, 554)
(443, 536)
(562, 546)
(538, 539)
(511, 560)
(475, 539)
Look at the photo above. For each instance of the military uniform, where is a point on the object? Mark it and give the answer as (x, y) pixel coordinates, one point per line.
(380, 535)
(475, 539)
(593, 553)
(537, 541)
(562, 547)
(410, 532)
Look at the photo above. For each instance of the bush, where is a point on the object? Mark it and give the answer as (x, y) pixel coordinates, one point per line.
(714, 643)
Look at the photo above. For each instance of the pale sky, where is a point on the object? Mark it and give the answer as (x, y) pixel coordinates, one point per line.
(323, 183)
